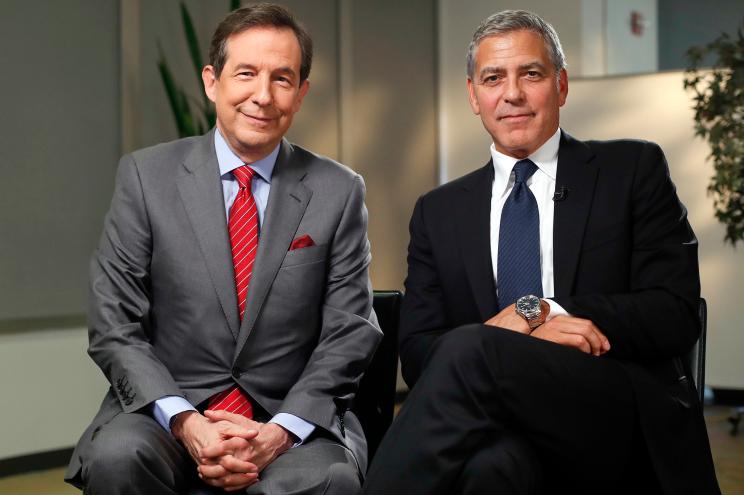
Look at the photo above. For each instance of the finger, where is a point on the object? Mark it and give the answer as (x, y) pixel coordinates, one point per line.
(585, 328)
(238, 431)
(605, 343)
(232, 480)
(236, 465)
(212, 471)
(580, 342)
(224, 447)
(553, 334)
(588, 335)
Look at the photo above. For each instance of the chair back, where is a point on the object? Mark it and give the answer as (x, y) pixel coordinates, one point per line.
(695, 359)
(374, 403)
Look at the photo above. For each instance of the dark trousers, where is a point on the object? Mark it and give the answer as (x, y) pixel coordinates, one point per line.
(504, 413)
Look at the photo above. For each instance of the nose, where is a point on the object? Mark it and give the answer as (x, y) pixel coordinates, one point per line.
(262, 91)
(513, 91)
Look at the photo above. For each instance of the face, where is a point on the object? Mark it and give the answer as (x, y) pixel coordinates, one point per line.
(258, 91)
(515, 92)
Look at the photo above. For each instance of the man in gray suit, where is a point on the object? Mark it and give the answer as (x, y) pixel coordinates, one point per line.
(171, 325)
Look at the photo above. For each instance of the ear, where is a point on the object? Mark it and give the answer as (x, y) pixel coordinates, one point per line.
(304, 88)
(473, 97)
(210, 82)
(562, 87)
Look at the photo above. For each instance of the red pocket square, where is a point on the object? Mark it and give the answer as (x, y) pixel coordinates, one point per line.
(302, 242)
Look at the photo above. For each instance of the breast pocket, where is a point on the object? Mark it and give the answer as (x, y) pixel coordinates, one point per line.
(303, 256)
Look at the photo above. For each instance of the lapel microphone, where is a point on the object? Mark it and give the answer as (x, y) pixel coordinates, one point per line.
(561, 194)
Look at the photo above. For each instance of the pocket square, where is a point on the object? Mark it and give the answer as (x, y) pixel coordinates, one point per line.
(302, 242)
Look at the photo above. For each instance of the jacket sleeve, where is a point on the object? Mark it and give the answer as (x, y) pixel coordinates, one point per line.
(119, 299)
(423, 317)
(657, 317)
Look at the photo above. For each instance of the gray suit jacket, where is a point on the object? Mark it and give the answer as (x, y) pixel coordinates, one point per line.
(163, 314)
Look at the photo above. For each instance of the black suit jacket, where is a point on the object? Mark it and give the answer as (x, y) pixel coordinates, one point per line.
(624, 257)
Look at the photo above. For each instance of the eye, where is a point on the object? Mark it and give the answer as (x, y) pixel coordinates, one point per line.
(245, 74)
(491, 80)
(534, 74)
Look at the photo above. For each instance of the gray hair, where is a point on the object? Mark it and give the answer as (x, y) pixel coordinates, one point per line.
(507, 21)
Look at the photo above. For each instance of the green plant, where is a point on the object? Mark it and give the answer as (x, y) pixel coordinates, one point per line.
(718, 96)
(192, 116)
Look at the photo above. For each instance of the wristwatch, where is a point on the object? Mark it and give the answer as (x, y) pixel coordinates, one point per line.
(533, 309)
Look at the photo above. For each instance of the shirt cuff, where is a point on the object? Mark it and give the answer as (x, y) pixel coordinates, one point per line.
(166, 408)
(555, 310)
(295, 425)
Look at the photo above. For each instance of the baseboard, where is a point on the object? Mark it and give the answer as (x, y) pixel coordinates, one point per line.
(35, 462)
(728, 396)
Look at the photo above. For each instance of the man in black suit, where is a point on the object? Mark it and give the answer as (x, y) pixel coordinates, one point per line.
(549, 295)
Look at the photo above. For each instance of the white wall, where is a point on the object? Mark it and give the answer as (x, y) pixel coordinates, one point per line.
(50, 388)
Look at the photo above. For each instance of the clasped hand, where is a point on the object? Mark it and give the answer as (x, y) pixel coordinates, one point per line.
(229, 449)
(579, 333)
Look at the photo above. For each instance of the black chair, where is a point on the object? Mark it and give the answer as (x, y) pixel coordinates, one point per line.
(695, 359)
(374, 403)
(375, 400)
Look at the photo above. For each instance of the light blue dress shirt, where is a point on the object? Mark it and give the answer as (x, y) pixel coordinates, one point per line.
(165, 408)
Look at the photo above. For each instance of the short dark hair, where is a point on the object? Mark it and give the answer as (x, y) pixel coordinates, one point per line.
(259, 15)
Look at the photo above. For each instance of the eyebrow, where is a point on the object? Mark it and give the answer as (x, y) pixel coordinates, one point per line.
(490, 69)
(280, 70)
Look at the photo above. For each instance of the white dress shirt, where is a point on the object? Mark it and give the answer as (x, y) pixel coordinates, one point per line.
(542, 185)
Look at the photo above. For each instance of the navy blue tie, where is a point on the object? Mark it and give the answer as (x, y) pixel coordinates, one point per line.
(518, 270)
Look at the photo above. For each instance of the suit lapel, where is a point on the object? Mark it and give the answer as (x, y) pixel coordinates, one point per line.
(200, 187)
(579, 176)
(287, 202)
(473, 225)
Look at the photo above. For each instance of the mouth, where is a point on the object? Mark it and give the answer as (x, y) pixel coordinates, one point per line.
(258, 120)
(515, 118)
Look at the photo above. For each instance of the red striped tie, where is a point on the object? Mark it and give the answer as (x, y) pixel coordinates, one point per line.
(243, 229)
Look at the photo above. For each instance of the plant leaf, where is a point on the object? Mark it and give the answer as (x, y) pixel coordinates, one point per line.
(172, 91)
(718, 102)
(192, 41)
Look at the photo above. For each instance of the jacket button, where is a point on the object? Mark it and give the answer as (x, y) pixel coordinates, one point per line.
(236, 372)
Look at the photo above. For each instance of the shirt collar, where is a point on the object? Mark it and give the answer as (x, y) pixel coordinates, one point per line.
(229, 161)
(545, 157)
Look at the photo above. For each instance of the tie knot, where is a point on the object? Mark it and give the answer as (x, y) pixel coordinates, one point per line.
(523, 170)
(243, 175)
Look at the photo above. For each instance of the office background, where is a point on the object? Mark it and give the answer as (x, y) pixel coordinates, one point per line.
(80, 87)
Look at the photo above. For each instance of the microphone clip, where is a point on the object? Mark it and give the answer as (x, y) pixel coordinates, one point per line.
(561, 194)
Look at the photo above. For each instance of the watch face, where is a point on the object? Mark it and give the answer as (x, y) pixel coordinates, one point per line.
(528, 304)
